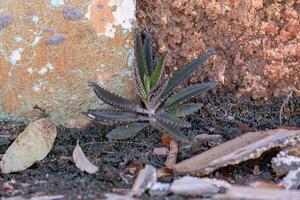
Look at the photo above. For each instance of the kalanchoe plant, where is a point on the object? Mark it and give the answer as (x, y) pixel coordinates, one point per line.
(159, 106)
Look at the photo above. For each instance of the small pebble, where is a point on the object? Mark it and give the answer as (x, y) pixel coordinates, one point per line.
(73, 13)
(163, 151)
(56, 39)
(5, 21)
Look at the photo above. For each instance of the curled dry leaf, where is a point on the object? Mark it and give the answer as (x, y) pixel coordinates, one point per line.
(82, 162)
(245, 147)
(32, 145)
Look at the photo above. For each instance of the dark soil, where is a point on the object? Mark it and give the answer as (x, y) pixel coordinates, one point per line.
(57, 174)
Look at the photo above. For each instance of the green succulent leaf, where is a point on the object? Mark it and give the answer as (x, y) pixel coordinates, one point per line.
(183, 110)
(114, 117)
(186, 72)
(187, 93)
(113, 99)
(147, 83)
(123, 132)
(171, 120)
(176, 133)
(155, 93)
(158, 72)
(140, 89)
(139, 55)
(148, 53)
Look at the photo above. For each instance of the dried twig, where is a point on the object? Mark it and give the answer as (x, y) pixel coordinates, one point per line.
(172, 154)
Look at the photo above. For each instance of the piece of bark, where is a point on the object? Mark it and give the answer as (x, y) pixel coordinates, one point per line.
(194, 186)
(145, 179)
(292, 180)
(293, 150)
(163, 172)
(266, 185)
(172, 154)
(245, 147)
(248, 193)
(283, 163)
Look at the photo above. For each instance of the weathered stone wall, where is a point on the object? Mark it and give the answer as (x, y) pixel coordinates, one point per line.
(257, 41)
(49, 49)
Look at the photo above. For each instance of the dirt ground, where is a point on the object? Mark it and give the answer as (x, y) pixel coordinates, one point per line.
(118, 160)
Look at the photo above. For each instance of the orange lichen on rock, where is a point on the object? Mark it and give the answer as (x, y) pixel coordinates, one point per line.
(100, 14)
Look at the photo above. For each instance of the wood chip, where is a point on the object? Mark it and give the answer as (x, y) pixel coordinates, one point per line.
(145, 179)
(111, 196)
(245, 147)
(194, 186)
(248, 193)
(159, 189)
(82, 162)
(172, 154)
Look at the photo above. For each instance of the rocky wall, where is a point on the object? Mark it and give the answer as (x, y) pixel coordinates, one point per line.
(257, 41)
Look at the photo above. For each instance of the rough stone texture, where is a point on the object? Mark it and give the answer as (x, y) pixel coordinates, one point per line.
(48, 52)
(257, 41)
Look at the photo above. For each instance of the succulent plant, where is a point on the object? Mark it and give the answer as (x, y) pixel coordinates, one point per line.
(160, 106)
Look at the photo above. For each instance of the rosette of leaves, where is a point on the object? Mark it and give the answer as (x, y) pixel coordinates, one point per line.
(160, 106)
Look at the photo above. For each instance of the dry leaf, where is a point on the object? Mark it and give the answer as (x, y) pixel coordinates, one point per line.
(245, 147)
(32, 145)
(82, 162)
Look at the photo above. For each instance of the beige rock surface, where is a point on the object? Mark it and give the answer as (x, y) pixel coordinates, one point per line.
(49, 49)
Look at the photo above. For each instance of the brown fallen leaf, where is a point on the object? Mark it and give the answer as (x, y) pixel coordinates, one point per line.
(32, 145)
(245, 147)
(82, 162)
